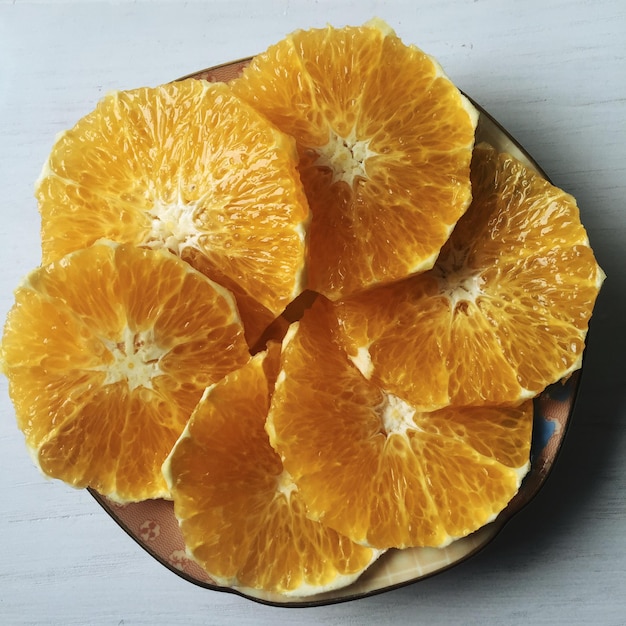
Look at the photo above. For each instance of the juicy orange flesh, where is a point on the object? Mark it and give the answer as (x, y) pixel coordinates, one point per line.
(255, 317)
(88, 428)
(360, 84)
(235, 520)
(451, 473)
(504, 311)
(186, 166)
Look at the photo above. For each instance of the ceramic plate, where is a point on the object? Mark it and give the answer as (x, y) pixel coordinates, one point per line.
(153, 525)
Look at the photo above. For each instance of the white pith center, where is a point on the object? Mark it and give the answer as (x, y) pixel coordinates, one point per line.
(173, 226)
(285, 484)
(461, 286)
(396, 415)
(457, 282)
(136, 358)
(345, 156)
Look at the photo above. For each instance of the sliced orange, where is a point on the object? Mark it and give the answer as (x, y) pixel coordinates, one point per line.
(385, 143)
(189, 167)
(373, 467)
(503, 313)
(107, 352)
(241, 516)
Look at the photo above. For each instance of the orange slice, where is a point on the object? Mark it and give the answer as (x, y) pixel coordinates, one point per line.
(107, 352)
(188, 167)
(503, 313)
(239, 512)
(374, 468)
(385, 143)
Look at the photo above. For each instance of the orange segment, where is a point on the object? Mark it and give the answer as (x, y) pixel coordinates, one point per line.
(375, 468)
(239, 512)
(107, 352)
(188, 167)
(503, 313)
(385, 143)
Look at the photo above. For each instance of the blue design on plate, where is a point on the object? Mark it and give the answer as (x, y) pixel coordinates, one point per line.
(543, 429)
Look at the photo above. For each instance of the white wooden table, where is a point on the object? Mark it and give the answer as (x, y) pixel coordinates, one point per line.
(554, 73)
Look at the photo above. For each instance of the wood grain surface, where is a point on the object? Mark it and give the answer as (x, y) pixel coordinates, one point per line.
(554, 74)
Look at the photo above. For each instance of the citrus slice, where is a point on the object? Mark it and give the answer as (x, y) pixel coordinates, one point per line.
(241, 517)
(374, 468)
(504, 312)
(385, 143)
(107, 352)
(189, 167)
